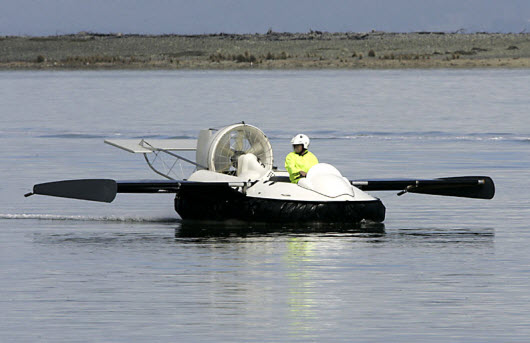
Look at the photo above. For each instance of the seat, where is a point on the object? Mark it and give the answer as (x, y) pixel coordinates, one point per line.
(249, 168)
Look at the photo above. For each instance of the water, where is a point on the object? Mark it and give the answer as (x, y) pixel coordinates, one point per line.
(440, 269)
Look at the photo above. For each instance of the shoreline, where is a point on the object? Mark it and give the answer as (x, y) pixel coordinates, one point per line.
(271, 51)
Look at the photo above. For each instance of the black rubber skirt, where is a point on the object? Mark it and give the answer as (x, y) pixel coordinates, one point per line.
(225, 203)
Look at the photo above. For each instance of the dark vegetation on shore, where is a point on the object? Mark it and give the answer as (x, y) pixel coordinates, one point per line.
(273, 50)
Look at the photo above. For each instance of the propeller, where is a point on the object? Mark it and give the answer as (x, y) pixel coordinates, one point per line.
(236, 141)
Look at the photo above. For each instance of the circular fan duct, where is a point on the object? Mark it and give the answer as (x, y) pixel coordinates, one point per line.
(229, 143)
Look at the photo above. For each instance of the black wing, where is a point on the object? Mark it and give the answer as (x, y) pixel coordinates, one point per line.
(105, 190)
(480, 187)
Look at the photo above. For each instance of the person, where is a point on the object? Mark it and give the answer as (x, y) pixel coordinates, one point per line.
(300, 160)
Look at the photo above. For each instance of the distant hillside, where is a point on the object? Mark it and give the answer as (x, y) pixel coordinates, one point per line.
(268, 51)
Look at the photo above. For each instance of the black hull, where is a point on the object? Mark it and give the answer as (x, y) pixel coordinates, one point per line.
(224, 203)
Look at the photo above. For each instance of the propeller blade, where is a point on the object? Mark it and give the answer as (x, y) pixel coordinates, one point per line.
(479, 187)
(223, 160)
(239, 140)
(103, 190)
(222, 166)
(256, 149)
(225, 149)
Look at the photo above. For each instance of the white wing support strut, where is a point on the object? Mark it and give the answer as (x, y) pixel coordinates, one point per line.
(145, 146)
(157, 146)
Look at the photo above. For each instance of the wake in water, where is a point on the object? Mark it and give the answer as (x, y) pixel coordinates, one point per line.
(318, 135)
(124, 219)
(421, 136)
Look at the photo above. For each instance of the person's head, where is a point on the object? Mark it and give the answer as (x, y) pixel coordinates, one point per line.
(298, 148)
(300, 142)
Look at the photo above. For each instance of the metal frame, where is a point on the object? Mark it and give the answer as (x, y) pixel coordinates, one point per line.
(157, 151)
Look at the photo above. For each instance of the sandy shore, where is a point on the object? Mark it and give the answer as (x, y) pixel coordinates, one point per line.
(313, 50)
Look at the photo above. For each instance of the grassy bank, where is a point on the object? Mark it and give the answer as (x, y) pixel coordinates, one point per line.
(313, 50)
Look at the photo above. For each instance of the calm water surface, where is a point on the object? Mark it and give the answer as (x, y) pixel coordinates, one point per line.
(440, 269)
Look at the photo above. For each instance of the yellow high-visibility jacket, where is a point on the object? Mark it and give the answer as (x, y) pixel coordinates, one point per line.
(294, 163)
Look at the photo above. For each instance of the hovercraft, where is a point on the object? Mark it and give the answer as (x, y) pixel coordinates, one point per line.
(234, 179)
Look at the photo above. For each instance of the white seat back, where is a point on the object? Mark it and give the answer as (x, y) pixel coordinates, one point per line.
(249, 168)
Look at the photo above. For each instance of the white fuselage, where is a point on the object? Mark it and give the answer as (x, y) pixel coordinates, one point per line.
(323, 183)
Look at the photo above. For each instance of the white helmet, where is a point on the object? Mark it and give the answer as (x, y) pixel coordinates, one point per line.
(301, 139)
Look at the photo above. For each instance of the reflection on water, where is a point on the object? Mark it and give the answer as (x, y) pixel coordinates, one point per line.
(301, 285)
(444, 236)
(190, 229)
(187, 232)
(293, 282)
(101, 239)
